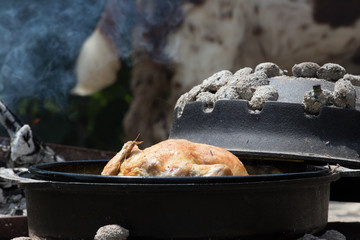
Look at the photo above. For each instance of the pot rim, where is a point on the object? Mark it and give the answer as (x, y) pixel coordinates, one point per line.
(45, 171)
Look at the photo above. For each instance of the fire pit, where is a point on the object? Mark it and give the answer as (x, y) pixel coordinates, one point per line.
(186, 207)
(290, 147)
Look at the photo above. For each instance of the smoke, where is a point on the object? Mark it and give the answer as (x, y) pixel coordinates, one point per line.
(141, 26)
(39, 43)
(41, 39)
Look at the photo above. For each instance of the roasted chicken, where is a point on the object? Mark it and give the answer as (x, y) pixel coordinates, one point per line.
(174, 157)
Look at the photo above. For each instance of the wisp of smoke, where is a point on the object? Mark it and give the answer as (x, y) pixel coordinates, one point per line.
(39, 43)
(41, 39)
(141, 25)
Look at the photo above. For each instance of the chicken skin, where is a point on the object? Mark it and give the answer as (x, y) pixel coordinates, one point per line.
(174, 157)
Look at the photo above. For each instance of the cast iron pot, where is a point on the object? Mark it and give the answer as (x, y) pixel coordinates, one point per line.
(73, 205)
(281, 130)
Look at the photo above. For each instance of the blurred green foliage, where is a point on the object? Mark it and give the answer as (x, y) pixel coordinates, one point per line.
(93, 122)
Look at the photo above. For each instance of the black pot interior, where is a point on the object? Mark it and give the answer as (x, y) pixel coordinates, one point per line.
(259, 170)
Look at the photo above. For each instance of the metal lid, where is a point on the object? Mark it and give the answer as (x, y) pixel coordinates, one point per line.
(280, 130)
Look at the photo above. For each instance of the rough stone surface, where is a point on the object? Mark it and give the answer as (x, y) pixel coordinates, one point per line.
(354, 79)
(261, 95)
(331, 72)
(112, 232)
(344, 94)
(305, 69)
(269, 68)
(314, 100)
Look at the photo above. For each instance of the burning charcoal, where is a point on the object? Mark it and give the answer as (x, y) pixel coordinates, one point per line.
(243, 71)
(261, 95)
(305, 69)
(344, 94)
(195, 91)
(309, 237)
(270, 69)
(316, 98)
(354, 79)
(208, 98)
(187, 98)
(331, 72)
(216, 81)
(333, 235)
(328, 235)
(112, 232)
(227, 92)
(181, 102)
(246, 84)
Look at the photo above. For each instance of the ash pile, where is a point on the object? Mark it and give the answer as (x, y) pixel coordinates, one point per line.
(12, 198)
(255, 86)
(17, 153)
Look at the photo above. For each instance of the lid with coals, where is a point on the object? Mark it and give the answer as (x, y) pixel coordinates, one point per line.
(280, 129)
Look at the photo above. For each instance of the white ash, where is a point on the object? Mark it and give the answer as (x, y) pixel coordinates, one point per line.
(216, 81)
(269, 68)
(261, 95)
(25, 152)
(305, 69)
(13, 202)
(344, 94)
(12, 199)
(208, 98)
(328, 235)
(112, 232)
(354, 79)
(5, 184)
(315, 99)
(22, 145)
(25, 148)
(331, 72)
